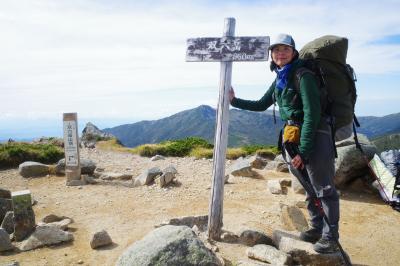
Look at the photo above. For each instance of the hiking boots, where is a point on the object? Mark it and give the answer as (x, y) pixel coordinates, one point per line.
(326, 246)
(311, 235)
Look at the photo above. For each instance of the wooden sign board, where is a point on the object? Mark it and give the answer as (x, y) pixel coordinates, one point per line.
(227, 49)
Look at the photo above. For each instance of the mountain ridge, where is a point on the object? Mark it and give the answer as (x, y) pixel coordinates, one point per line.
(245, 127)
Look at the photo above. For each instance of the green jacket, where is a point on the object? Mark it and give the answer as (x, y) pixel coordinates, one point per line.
(305, 109)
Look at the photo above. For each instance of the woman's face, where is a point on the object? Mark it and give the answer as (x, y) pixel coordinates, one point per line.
(282, 54)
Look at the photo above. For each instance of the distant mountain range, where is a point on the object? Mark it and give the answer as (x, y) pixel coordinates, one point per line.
(245, 127)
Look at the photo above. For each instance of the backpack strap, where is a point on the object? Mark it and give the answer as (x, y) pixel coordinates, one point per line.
(299, 74)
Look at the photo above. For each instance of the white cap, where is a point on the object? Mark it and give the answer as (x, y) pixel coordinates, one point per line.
(285, 39)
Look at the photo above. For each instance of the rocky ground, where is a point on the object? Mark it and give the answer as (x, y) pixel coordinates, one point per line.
(369, 229)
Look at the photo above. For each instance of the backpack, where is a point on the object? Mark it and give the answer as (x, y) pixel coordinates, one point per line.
(325, 57)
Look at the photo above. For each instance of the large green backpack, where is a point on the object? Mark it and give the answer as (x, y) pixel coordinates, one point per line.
(326, 58)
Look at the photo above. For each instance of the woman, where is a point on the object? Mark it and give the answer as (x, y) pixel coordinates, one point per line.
(303, 108)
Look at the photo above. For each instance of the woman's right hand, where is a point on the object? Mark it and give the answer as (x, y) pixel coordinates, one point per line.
(231, 94)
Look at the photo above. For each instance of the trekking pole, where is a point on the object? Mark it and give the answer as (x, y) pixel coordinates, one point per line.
(304, 180)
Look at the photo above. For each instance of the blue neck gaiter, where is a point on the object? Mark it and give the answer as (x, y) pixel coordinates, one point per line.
(282, 76)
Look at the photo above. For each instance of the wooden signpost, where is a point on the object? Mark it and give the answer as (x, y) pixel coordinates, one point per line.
(71, 149)
(225, 50)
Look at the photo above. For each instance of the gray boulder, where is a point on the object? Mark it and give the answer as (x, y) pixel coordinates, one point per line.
(302, 252)
(8, 222)
(87, 167)
(5, 206)
(201, 221)
(167, 176)
(114, 176)
(258, 162)
(100, 239)
(242, 167)
(33, 169)
(168, 245)
(45, 235)
(269, 254)
(293, 218)
(351, 163)
(5, 242)
(274, 186)
(147, 177)
(91, 134)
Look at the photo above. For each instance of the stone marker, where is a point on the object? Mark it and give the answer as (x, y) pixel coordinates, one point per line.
(24, 217)
(71, 148)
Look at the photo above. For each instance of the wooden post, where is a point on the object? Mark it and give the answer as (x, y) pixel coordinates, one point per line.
(220, 142)
(225, 50)
(71, 149)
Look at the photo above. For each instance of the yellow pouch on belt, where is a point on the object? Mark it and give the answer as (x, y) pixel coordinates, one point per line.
(291, 134)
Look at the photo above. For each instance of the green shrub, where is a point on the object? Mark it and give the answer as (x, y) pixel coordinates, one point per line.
(14, 153)
(177, 148)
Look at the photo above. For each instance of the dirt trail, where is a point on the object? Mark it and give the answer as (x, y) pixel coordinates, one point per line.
(369, 229)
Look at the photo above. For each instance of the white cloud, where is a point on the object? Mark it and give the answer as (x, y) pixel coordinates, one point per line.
(100, 58)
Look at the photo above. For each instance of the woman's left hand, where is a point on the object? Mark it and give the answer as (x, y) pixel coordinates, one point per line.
(297, 162)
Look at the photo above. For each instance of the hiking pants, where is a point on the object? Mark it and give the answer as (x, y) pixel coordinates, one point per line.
(321, 170)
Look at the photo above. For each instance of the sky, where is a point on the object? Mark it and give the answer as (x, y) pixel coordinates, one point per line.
(117, 62)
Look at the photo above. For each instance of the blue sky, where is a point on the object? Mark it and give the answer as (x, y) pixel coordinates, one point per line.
(122, 61)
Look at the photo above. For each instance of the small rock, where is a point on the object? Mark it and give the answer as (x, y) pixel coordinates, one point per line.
(80, 262)
(157, 157)
(297, 187)
(33, 169)
(147, 177)
(268, 254)
(5, 194)
(229, 237)
(250, 237)
(242, 167)
(8, 222)
(100, 239)
(293, 218)
(285, 182)
(113, 176)
(45, 235)
(75, 183)
(168, 176)
(274, 186)
(5, 243)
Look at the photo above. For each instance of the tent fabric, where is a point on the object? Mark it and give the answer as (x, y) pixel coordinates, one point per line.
(385, 179)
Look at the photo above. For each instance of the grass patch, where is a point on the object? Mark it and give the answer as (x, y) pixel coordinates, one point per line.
(177, 148)
(14, 153)
(191, 146)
